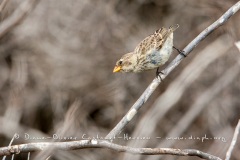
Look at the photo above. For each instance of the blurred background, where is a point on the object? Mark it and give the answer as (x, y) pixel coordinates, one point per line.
(56, 75)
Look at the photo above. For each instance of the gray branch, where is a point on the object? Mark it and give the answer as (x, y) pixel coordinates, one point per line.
(82, 144)
(150, 89)
(234, 140)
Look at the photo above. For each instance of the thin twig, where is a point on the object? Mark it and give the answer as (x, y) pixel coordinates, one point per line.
(19, 14)
(234, 140)
(29, 153)
(82, 144)
(12, 139)
(10, 144)
(150, 89)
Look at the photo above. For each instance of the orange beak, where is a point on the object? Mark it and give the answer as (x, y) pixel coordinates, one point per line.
(117, 69)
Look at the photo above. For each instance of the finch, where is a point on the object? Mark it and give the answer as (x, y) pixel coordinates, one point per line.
(150, 53)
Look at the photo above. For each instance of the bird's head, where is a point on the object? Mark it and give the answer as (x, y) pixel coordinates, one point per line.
(126, 63)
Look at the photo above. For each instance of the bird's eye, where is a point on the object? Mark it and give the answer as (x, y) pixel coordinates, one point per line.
(120, 62)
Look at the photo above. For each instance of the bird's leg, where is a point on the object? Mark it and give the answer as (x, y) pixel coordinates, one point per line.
(158, 75)
(180, 51)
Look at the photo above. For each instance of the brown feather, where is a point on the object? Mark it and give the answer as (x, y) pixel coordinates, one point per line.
(155, 40)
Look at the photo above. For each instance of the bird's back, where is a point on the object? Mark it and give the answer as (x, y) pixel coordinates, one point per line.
(155, 49)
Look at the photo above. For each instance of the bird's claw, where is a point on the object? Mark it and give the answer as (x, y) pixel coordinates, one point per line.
(158, 74)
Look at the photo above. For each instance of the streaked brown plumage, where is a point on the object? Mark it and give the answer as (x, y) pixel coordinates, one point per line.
(150, 53)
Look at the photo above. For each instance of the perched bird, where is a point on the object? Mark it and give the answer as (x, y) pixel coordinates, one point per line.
(150, 53)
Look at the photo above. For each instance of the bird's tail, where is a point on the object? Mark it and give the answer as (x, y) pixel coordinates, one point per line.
(173, 27)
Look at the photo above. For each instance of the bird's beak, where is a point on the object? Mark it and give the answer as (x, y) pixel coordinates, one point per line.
(117, 69)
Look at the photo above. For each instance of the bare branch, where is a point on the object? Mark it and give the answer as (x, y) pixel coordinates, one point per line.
(10, 144)
(234, 140)
(29, 153)
(17, 16)
(82, 144)
(147, 93)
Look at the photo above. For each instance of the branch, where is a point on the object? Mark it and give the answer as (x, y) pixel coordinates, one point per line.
(234, 140)
(16, 17)
(10, 145)
(147, 93)
(83, 144)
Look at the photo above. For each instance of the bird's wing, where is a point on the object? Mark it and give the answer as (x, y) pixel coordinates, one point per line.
(155, 40)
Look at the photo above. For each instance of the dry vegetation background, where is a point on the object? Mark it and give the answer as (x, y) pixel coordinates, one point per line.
(56, 73)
